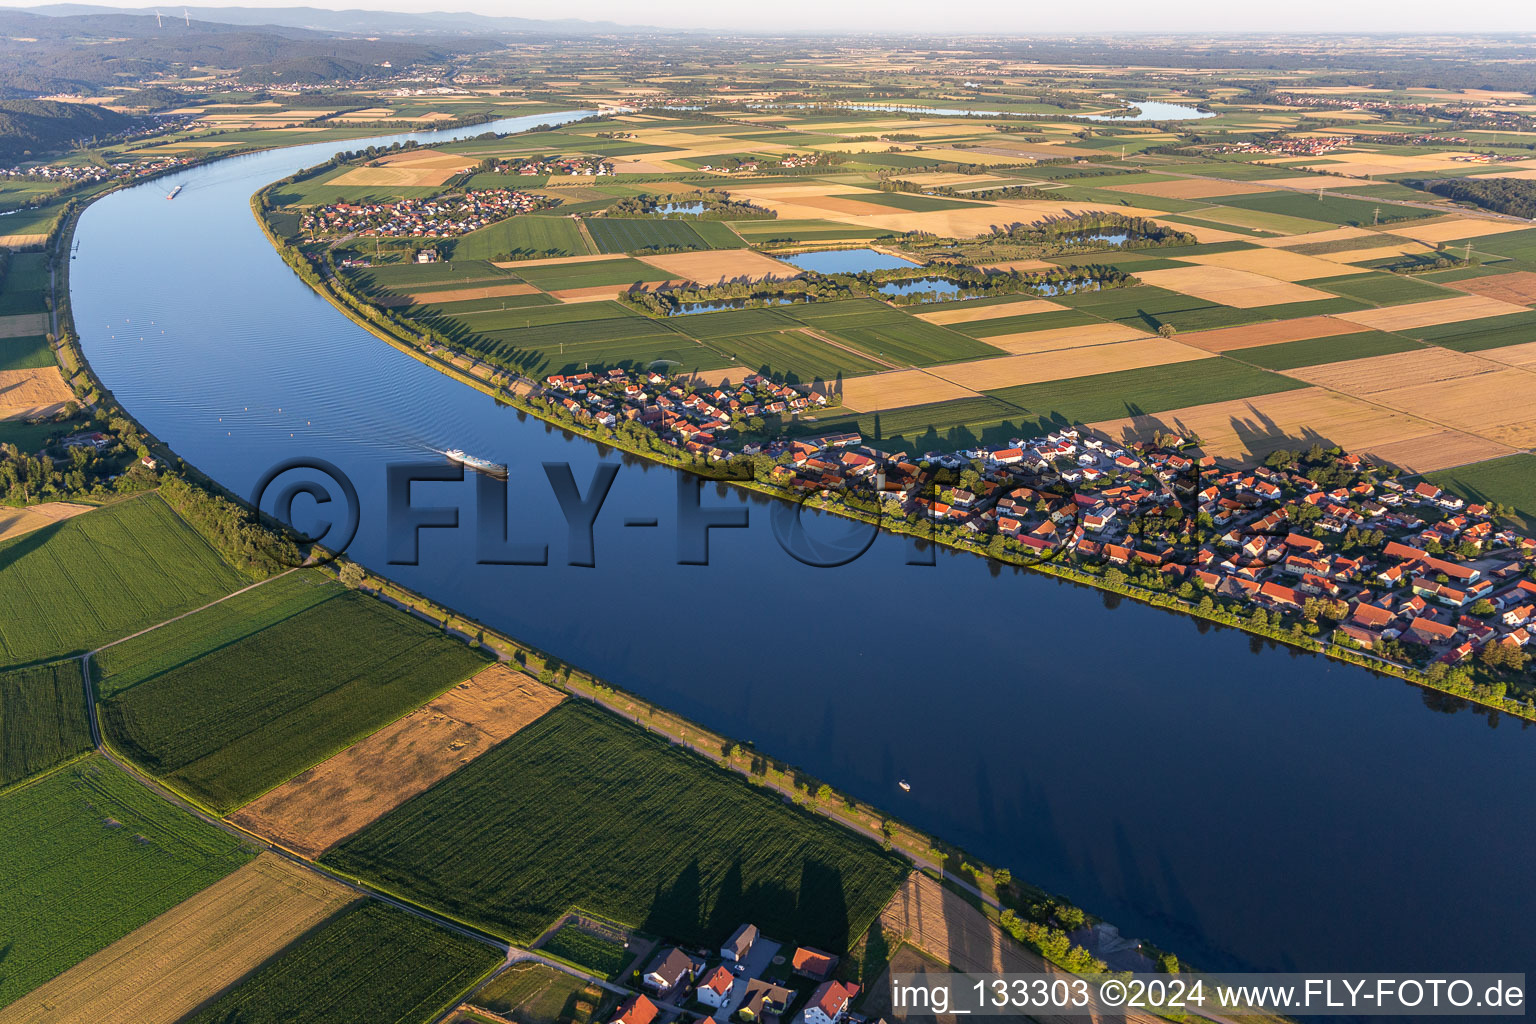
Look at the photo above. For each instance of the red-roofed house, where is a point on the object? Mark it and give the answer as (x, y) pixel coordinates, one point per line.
(812, 963)
(715, 990)
(829, 1003)
(636, 1010)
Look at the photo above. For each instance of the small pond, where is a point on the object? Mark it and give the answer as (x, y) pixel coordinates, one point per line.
(846, 261)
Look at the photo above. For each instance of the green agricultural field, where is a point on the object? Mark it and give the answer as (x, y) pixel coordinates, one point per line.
(405, 278)
(533, 993)
(617, 272)
(29, 437)
(616, 234)
(1383, 289)
(597, 954)
(42, 718)
(912, 342)
(25, 353)
(524, 237)
(484, 309)
(1516, 245)
(492, 320)
(730, 322)
(226, 709)
(792, 357)
(88, 855)
(945, 425)
(1313, 351)
(1330, 208)
(25, 287)
(524, 832)
(98, 577)
(1510, 481)
(1476, 335)
(1148, 307)
(368, 963)
(803, 230)
(1151, 389)
(1047, 321)
(593, 344)
(903, 201)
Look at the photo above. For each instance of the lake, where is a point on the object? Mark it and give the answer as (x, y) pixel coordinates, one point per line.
(1242, 805)
(846, 261)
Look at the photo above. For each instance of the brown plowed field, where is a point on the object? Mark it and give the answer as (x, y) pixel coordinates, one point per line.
(319, 808)
(1519, 287)
(164, 970)
(951, 931)
(1232, 339)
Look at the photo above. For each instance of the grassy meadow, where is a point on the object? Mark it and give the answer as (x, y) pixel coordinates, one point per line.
(88, 855)
(42, 718)
(530, 829)
(98, 577)
(226, 709)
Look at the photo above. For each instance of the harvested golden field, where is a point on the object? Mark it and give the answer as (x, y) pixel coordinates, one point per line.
(972, 314)
(1280, 264)
(953, 932)
(1190, 188)
(490, 291)
(1239, 288)
(166, 969)
(1378, 253)
(319, 808)
(1452, 228)
(1400, 369)
(23, 325)
(1008, 371)
(416, 168)
(1275, 332)
(1058, 338)
(1246, 430)
(28, 393)
(1498, 406)
(1519, 287)
(19, 241)
(16, 521)
(877, 391)
(1513, 355)
(1431, 313)
(1313, 237)
(713, 266)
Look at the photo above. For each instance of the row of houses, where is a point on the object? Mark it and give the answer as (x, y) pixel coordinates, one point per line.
(1386, 563)
(731, 983)
(456, 213)
(554, 166)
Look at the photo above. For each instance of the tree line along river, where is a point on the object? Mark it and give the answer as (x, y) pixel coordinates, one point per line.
(1242, 805)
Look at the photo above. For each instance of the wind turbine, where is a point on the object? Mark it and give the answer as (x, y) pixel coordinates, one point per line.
(157, 20)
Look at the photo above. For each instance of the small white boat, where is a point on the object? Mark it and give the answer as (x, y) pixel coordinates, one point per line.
(174, 192)
(476, 463)
(906, 787)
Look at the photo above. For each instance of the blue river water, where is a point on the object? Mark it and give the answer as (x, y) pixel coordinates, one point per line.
(1242, 805)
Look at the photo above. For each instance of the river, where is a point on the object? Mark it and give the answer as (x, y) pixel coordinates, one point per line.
(1242, 805)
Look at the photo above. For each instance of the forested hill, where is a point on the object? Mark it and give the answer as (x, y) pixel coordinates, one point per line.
(1515, 196)
(40, 55)
(39, 126)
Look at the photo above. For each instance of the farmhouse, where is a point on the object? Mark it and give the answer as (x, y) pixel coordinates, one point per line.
(669, 971)
(716, 988)
(636, 1010)
(740, 943)
(829, 1003)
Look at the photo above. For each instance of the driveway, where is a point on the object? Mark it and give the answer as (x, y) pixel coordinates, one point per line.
(757, 960)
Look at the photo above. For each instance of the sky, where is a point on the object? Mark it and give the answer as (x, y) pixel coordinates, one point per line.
(1005, 16)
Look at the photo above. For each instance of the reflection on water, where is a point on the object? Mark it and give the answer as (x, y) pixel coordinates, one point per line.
(846, 261)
